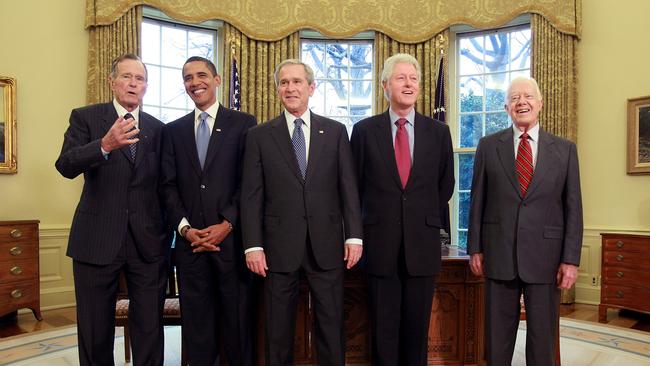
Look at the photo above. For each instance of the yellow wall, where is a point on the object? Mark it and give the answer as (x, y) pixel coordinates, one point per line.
(614, 64)
(44, 46)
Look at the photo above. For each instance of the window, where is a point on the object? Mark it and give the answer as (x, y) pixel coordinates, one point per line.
(165, 47)
(344, 77)
(485, 64)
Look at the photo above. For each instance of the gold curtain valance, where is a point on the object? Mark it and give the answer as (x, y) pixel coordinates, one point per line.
(407, 21)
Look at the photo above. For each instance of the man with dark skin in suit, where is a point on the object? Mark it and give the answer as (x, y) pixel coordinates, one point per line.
(525, 228)
(201, 188)
(118, 225)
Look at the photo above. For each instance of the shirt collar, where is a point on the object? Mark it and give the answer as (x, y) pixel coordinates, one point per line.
(121, 111)
(306, 118)
(410, 117)
(533, 133)
(211, 111)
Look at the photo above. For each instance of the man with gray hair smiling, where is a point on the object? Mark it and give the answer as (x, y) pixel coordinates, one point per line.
(525, 227)
(404, 164)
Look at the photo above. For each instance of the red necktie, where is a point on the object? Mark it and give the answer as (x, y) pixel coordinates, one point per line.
(524, 163)
(402, 151)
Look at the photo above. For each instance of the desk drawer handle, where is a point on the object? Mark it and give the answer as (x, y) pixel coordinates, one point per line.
(16, 270)
(619, 294)
(620, 274)
(620, 244)
(16, 294)
(16, 250)
(619, 257)
(15, 233)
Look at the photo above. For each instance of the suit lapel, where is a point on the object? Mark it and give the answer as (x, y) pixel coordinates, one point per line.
(384, 138)
(145, 125)
(506, 152)
(317, 136)
(187, 135)
(282, 139)
(222, 126)
(422, 136)
(544, 161)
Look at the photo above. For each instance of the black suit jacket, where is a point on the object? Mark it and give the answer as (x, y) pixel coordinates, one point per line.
(279, 209)
(117, 192)
(393, 215)
(205, 196)
(530, 236)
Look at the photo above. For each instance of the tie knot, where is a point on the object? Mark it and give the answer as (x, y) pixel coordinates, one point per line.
(128, 116)
(203, 116)
(524, 136)
(298, 122)
(401, 122)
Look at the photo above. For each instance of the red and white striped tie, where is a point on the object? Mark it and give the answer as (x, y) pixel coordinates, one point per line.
(524, 163)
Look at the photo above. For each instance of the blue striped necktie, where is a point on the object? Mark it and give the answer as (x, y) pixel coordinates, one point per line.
(298, 141)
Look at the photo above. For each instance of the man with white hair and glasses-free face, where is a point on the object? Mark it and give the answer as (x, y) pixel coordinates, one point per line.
(404, 164)
(525, 227)
(118, 225)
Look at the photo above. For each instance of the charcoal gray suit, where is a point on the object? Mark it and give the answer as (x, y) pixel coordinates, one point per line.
(118, 226)
(301, 224)
(524, 239)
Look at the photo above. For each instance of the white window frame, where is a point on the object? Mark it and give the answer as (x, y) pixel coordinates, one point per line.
(157, 16)
(453, 111)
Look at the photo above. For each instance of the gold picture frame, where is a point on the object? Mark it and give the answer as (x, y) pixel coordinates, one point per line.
(8, 158)
(638, 135)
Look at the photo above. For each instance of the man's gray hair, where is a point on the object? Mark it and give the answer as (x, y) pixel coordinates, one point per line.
(293, 61)
(530, 80)
(390, 63)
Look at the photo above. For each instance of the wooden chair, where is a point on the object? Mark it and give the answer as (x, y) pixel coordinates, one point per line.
(522, 316)
(171, 310)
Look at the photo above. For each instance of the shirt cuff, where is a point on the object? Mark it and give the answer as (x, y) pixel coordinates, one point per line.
(183, 223)
(104, 152)
(253, 249)
(354, 241)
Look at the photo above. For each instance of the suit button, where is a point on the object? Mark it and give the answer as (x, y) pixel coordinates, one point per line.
(202, 186)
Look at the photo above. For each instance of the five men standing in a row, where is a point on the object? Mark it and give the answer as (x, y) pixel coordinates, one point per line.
(293, 195)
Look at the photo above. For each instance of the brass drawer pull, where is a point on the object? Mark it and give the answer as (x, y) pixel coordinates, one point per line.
(620, 244)
(16, 271)
(620, 274)
(16, 294)
(619, 257)
(619, 294)
(16, 250)
(15, 233)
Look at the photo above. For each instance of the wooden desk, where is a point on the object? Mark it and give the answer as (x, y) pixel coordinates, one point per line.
(455, 332)
(19, 274)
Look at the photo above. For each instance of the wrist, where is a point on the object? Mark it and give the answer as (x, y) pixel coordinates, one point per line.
(184, 230)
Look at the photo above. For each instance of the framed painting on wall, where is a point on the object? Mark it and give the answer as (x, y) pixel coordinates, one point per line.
(638, 135)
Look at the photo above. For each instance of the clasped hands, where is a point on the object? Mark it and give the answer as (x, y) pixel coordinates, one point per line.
(121, 133)
(208, 239)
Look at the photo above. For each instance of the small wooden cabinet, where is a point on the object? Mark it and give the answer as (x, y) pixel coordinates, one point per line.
(19, 275)
(625, 277)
